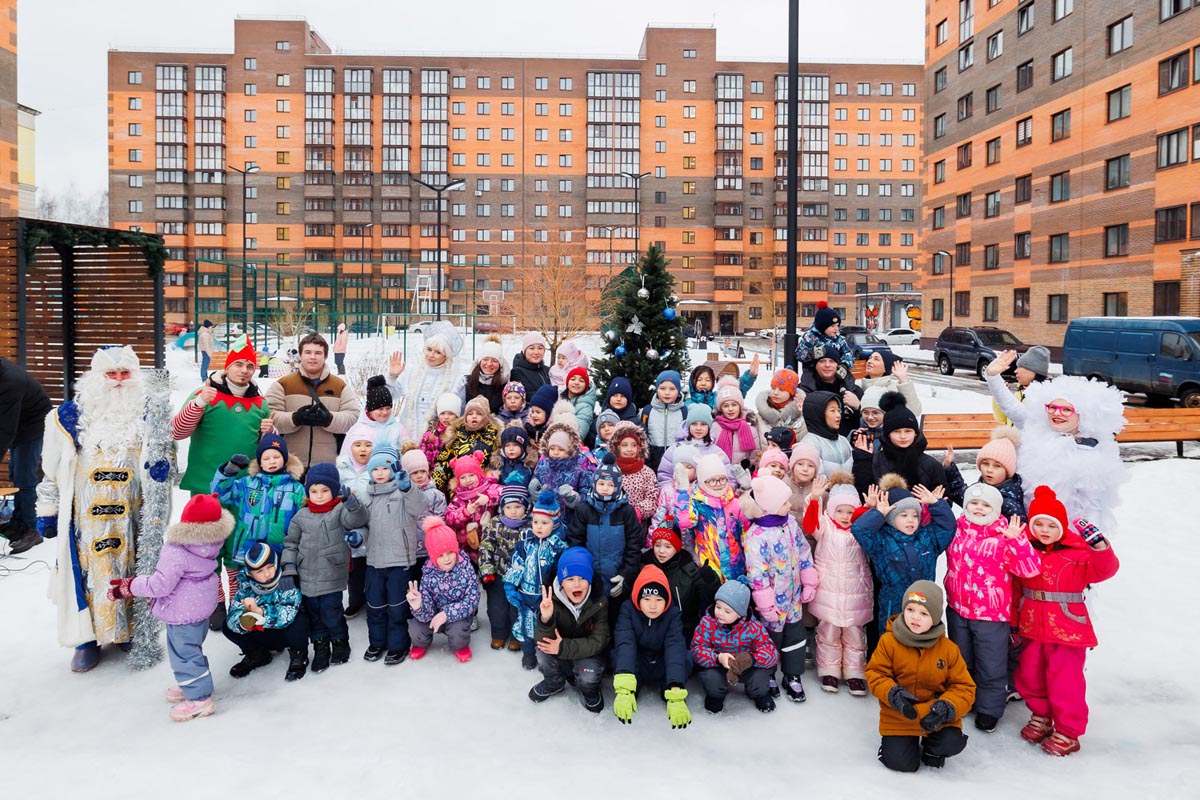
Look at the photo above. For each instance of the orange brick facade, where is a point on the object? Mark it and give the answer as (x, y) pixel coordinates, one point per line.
(9, 179)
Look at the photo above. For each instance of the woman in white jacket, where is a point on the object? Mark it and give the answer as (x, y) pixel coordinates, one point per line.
(431, 377)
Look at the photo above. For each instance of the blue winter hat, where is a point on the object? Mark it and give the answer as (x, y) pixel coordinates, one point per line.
(514, 492)
(608, 470)
(547, 504)
(621, 386)
(383, 455)
(671, 376)
(514, 434)
(325, 475)
(545, 397)
(699, 412)
(272, 441)
(735, 595)
(576, 562)
(260, 554)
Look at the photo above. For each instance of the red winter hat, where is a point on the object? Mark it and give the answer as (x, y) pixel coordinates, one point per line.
(583, 373)
(203, 508)
(787, 380)
(240, 349)
(439, 538)
(471, 463)
(668, 534)
(1046, 504)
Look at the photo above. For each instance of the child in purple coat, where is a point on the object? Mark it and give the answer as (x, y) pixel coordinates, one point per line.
(183, 593)
(448, 597)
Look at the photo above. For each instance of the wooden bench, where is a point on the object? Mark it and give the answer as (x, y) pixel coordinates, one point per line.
(972, 431)
(730, 367)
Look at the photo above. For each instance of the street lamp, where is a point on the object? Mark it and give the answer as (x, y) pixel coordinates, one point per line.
(947, 254)
(251, 168)
(362, 260)
(861, 296)
(611, 229)
(454, 184)
(637, 212)
(790, 339)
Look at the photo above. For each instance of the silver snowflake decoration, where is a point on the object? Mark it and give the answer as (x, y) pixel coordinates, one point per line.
(635, 326)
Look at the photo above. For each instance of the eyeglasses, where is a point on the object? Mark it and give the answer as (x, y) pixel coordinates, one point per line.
(717, 481)
(1055, 408)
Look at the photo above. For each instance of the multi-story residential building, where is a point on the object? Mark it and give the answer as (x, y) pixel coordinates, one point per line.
(550, 150)
(1062, 142)
(9, 169)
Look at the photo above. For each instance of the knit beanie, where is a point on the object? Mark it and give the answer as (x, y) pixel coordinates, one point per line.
(513, 387)
(1037, 360)
(531, 338)
(414, 460)
(491, 348)
(478, 403)
(666, 534)
(547, 504)
(514, 493)
(272, 441)
(782, 437)
(736, 595)
(787, 380)
(204, 521)
(1045, 503)
(608, 470)
(988, 494)
(449, 401)
(896, 414)
(771, 493)
(378, 394)
(842, 494)
(900, 499)
(708, 466)
(324, 475)
(670, 376)
(772, 455)
(514, 434)
(654, 585)
(607, 415)
(544, 398)
(825, 317)
(872, 396)
(469, 464)
(619, 385)
(439, 537)
(575, 562)
(727, 389)
(384, 455)
(804, 452)
(699, 412)
(580, 372)
(559, 438)
(259, 555)
(1002, 448)
(928, 595)
(685, 454)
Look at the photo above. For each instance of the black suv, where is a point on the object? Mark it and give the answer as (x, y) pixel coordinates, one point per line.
(972, 348)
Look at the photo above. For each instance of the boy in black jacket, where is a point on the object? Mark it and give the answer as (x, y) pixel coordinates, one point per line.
(692, 586)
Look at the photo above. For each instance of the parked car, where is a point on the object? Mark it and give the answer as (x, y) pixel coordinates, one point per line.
(899, 337)
(846, 330)
(419, 327)
(1155, 356)
(174, 328)
(863, 344)
(487, 326)
(362, 326)
(972, 348)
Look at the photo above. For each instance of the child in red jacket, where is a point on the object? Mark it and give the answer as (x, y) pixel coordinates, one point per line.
(1055, 623)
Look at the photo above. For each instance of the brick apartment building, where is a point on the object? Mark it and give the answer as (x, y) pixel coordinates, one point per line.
(1062, 168)
(541, 144)
(9, 178)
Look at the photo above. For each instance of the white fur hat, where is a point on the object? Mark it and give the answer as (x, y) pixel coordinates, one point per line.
(110, 358)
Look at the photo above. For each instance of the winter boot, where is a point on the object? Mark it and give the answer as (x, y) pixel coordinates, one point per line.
(1014, 696)
(514, 646)
(497, 644)
(175, 695)
(795, 688)
(986, 723)
(542, 692)
(930, 760)
(774, 684)
(21, 538)
(217, 620)
(341, 652)
(191, 709)
(250, 662)
(297, 664)
(765, 704)
(857, 686)
(1037, 729)
(1059, 744)
(395, 657)
(86, 657)
(593, 702)
(353, 611)
(463, 655)
(474, 624)
(714, 705)
(528, 661)
(373, 653)
(830, 684)
(321, 652)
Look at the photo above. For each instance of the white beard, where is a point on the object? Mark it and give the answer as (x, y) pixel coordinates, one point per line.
(110, 414)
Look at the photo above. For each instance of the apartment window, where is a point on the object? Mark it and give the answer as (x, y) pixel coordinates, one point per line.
(964, 155)
(135, 206)
(1173, 148)
(1172, 8)
(1062, 65)
(135, 181)
(939, 80)
(1173, 73)
(939, 218)
(1120, 35)
(1170, 224)
(507, 109)
(1025, 19)
(250, 89)
(1116, 172)
(992, 206)
(1062, 8)
(991, 309)
(1060, 248)
(564, 109)
(1024, 131)
(939, 171)
(1025, 75)
(1196, 220)
(1116, 304)
(864, 115)
(250, 63)
(689, 53)
(1120, 103)
(1057, 305)
(1060, 187)
(283, 79)
(1166, 298)
(250, 115)
(1116, 240)
(962, 254)
(1022, 245)
(135, 104)
(1060, 125)
(1020, 303)
(660, 70)
(943, 31)
(966, 56)
(939, 126)
(135, 155)
(993, 151)
(991, 256)
(938, 312)
(966, 106)
(962, 304)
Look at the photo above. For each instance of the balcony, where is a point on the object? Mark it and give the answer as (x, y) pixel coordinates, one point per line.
(727, 295)
(729, 220)
(728, 270)
(728, 245)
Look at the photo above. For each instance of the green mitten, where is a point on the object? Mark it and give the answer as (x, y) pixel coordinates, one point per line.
(677, 710)
(625, 704)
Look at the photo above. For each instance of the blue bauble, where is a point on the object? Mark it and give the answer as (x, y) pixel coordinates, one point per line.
(620, 351)
(669, 313)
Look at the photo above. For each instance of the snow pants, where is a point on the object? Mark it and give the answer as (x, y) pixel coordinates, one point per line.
(1050, 679)
(293, 637)
(586, 671)
(387, 610)
(791, 642)
(326, 617)
(756, 680)
(984, 648)
(904, 753)
(185, 649)
(458, 632)
(502, 615)
(841, 652)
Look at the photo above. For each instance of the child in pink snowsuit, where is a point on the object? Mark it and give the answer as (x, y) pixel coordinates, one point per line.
(475, 492)
(1056, 625)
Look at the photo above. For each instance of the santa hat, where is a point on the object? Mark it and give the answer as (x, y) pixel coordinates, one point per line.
(770, 456)
(378, 394)
(825, 317)
(439, 537)
(204, 521)
(469, 464)
(771, 494)
(1045, 503)
(1002, 448)
(580, 372)
(787, 380)
(727, 390)
(988, 494)
(241, 350)
(666, 534)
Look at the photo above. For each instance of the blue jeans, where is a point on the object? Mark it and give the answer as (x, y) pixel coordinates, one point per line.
(204, 359)
(326, 618)
(387, 610)
(23, 464)
(185, 650)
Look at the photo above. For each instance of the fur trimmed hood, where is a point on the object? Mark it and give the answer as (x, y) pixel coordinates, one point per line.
(624, 428)
(293, 467)
(185, 533)
(1100, 406)
(568, 426)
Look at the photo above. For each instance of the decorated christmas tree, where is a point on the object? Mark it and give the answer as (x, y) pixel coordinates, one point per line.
(643, 332)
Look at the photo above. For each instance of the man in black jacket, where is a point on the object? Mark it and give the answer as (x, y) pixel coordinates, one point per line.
(23, 409)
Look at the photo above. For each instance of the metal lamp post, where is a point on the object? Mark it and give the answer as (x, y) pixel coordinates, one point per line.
(637, 211)
(362, 258)
(947, 254)
(252, 168)
(438, 190)
(611, 230)
(790, 339)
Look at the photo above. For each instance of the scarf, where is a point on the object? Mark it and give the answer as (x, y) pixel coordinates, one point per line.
(772, 520)
(629, 466)
(512, 524)
(743, 430)
(463, 494)
(322, 508)
(708, 398)
(904, 460)
(921, 640)
(261, 589)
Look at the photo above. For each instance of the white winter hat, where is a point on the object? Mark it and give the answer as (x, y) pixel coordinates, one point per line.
(444, 337)
(988, 494)
(449, 401)
(111, 358)
(871, 397)
(491, 349)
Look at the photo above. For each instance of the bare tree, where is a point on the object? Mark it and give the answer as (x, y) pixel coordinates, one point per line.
(73, 206)
(552, 297)
(291, 317)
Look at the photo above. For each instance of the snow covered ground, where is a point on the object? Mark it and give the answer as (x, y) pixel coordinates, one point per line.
(445, 728)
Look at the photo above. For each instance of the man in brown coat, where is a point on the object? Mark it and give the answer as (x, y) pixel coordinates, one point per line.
(311, 406)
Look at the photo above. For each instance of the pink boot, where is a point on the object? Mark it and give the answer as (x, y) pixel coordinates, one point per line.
(190, 709)
(175, 695)
(417, 653)
(463, 655)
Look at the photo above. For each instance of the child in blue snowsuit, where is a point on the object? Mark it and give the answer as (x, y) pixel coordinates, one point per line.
(825, 332)
(531, 567)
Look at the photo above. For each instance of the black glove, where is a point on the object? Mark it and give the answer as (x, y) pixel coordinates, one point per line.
(314, 415)
(234, 465)
(903, 701)
(350, 501)
(940, 713)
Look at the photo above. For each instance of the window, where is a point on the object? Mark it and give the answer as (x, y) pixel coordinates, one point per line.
(993, 98)
(283, 46)
(1116, 240)
(250, 89)
(1060, 187)
(939, 126)
(689, 53)
(135, 155)
(991, 309)
(135, 104)
(939, 80)
(1022, 248)
(939, 171)
(939, 218)
(938, 311)
(135, 206)
(1173, 73)
(966, 106)
(864, 89)
(1060, 248)
(964, 155)
(251, 115)
(660, 70)
(993, 151)
(1025, 19)
(1024, 131)
(864, 115)
(962, 304)
(1057, 305)
(966, 56)
(1172, 8)
(1062, 8)
(541, 84)
(1170, 224)
(1116, 172)
(995, 45)
(1120, 103)
(1173, 148)
(992, 206)
(962, 254)
(943, 32)
(283, 79)
(756, 87)
(1166, 298)
(1120, 35)
(1061, 65)
(1020, 302)
(135, 181)
(250, 63)
(991, 256)
(1025, 75)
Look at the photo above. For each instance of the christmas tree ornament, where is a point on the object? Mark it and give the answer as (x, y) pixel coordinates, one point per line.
(610, 335)
(652, 353)
(674, 299)
(635, 326)
(620, 351)
(669, 313)
(643, 293)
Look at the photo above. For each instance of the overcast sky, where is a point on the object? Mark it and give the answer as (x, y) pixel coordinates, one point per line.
(63, 44)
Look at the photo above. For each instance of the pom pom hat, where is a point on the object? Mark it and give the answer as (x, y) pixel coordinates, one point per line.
(439, 537)
(1046, 504)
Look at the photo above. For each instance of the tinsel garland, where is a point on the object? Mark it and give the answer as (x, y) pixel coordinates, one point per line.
(159, 448)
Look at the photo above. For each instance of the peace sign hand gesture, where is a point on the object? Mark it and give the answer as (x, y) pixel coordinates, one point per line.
(413, 596)
(546, 607)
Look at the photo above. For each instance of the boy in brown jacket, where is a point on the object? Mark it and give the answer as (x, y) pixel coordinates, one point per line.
(922, 684)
